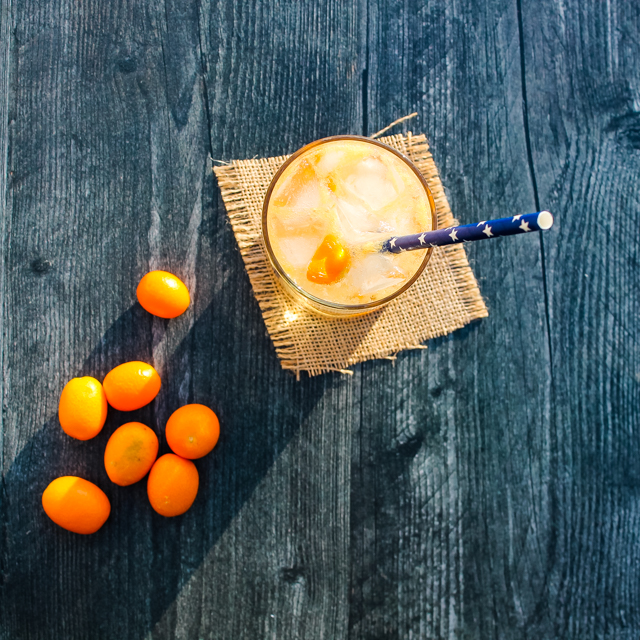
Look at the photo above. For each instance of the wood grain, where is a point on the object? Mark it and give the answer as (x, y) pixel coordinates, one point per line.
(276, 77)
(464, 524)
(109, 174)
(582, 82)
(5, 90)
(485, 487)
(117, 181)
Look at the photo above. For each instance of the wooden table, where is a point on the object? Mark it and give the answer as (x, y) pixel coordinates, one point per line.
(488, 487)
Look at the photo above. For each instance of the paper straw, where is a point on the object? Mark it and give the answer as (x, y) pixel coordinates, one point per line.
(522, 223)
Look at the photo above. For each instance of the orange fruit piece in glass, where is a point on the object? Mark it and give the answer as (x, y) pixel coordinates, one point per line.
(299, 181)
(83, 408)
(192, 431)
(329, 262)
(130, 453)
(76, 504)
(172, 485)
(131, 385)
(162, 294)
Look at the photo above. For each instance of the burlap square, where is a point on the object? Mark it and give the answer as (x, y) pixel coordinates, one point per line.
(444, 298)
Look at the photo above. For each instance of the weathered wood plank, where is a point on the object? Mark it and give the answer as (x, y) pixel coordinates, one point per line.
(483, 488)
(110, 146)
(109, 165)
(277, 77)
(454, 445)
(280, 569)
(582, 81)
(5, 91)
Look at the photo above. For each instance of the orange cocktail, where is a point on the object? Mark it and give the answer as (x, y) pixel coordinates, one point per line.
(346, 193)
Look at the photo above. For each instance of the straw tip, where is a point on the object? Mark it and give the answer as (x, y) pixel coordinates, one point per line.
(545, 220)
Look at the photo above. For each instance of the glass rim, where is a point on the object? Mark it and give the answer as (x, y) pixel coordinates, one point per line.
(283, 274)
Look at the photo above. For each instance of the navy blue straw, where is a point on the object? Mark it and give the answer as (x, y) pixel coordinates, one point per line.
(522, 223)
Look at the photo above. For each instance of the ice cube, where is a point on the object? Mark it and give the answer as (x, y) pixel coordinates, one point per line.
(288, 221)
(399, 217)
(299, 191)
(299, 249)
(328, 162)
(370, 181)
(375, 272)
(297, 234)
(355, 219)
(307, 197)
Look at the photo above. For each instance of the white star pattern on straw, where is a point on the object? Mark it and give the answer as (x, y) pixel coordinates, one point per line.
(487, 231)
(392, 244)
(525, 226)
(515, 218)
(481, 222)
(421, 238)
(453, 235)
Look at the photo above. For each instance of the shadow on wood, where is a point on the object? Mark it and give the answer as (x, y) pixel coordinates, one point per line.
(92, 575)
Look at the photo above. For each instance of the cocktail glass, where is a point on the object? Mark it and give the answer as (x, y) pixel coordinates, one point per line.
(360, 191)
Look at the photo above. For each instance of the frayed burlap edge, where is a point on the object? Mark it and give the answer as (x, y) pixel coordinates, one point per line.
(417, 149)
(306, 342)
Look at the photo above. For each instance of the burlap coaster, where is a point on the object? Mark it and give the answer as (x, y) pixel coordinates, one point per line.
(444, 298)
